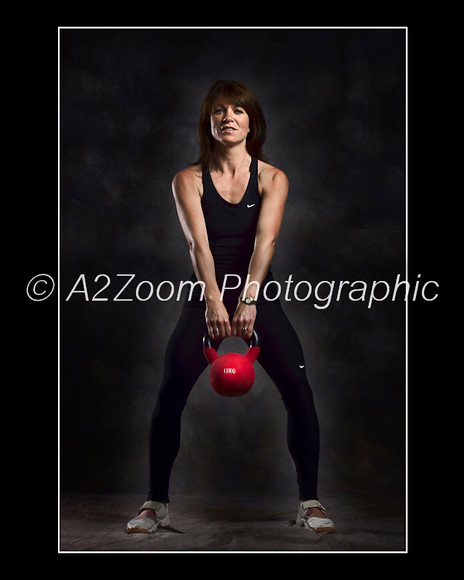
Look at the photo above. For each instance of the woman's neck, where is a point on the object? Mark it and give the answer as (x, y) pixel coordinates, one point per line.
(230, 159)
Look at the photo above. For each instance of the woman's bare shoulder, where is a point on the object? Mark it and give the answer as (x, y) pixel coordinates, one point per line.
(268, 173)
(190, 177)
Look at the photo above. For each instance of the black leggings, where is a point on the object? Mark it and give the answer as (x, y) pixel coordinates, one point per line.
(281, 357)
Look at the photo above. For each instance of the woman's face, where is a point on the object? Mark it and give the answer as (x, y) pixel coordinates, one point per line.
(230, 123)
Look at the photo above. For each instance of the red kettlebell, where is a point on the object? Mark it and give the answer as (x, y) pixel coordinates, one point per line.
(231, 374)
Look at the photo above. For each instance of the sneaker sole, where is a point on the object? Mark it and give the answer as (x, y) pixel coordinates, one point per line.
(140, 531)
(320, 530)
(301, 522)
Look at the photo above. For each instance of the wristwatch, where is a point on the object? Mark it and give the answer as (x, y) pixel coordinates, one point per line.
(249, 300)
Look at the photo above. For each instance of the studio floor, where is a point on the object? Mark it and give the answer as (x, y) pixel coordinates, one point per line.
(96, 523)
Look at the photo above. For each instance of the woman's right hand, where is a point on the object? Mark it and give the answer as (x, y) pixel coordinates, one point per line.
(217, 320)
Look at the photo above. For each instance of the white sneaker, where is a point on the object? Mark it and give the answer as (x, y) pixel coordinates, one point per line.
(149, 525)
(313, 523)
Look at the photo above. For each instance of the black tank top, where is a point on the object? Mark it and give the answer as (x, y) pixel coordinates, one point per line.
(231, 231)
(231, 226)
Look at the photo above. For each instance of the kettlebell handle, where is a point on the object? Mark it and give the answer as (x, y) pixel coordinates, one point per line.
(254, 338)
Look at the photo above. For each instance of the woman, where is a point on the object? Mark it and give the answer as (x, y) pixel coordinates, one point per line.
(230, 205)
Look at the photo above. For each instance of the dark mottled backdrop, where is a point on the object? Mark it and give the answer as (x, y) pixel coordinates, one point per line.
(334, 101)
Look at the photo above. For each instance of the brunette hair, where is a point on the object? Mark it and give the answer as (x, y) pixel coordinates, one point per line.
(242, 96)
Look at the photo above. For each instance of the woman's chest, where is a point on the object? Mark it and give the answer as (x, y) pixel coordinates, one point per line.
(232, 189)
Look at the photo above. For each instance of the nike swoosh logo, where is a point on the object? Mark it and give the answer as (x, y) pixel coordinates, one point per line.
(251, 205)
(301, 366)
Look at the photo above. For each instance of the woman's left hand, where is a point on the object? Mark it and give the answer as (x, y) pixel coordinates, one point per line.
(243, 321)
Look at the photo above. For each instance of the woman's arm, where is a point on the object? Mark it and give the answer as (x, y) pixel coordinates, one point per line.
(187, 196)
(274, 196)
